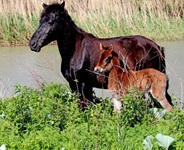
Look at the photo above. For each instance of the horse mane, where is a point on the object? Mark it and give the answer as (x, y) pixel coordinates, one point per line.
(57, 6)
(50, 8)
(115, 54)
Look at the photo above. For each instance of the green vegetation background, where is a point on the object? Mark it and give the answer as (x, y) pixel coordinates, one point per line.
(155, 19)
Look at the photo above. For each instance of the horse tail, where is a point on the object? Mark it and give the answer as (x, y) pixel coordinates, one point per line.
(168, 97)
(162, 59)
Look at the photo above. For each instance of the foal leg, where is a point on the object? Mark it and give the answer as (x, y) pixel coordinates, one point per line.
(147, 98)
(117, 104)
(159, 94)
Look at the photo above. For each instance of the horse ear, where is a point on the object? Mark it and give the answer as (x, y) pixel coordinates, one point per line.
(101, 47)
(110, 49)
(44, 5)
(63, 4)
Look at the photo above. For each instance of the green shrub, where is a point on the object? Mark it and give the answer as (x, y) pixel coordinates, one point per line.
(50, 119)
(134, 108)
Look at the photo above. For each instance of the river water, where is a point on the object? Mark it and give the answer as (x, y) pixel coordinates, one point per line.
(19, 65)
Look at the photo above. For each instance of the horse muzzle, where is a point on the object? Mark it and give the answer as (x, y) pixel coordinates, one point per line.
(98, 70)
(34, 46)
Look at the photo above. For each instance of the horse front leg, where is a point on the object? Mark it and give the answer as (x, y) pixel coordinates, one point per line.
(85, 94)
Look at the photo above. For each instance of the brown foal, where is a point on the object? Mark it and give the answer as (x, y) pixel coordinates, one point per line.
(120, 80)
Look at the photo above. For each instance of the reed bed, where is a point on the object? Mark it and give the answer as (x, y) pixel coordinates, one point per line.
(155, 19)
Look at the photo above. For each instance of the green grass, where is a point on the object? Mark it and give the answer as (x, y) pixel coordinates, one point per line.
(158, 29)
(15, 31)
(50, 119)
(157, 20)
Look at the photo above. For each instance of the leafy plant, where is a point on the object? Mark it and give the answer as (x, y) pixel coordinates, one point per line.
(147, 142)
(3, 147)
(162, 140)
(134, 108)
(157, 113)
(49, 118)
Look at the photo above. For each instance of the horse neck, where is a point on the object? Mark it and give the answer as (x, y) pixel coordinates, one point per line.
(69, 38)
(116, 63)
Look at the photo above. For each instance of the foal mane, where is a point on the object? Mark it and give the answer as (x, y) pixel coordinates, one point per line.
(114, 54)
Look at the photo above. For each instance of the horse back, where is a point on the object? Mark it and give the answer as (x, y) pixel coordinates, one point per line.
(137, 52)
(144, 79)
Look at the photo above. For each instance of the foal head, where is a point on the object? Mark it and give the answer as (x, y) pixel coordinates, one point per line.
(50, 25)
(105, 60)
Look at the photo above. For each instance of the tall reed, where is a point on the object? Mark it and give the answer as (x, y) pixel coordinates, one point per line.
(156, 19)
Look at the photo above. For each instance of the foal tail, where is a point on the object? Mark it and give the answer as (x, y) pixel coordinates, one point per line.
(159, 91)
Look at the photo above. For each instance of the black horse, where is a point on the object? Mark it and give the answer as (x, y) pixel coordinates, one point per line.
(80, 50)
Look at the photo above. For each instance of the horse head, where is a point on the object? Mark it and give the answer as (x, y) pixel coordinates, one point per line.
(50, 25)
(105, 59)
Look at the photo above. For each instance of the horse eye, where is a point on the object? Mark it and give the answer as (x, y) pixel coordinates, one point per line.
(108, 60)
(50, 22)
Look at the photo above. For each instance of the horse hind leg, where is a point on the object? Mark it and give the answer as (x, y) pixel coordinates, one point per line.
(169, 98)
(167, 94)
(160, 95)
